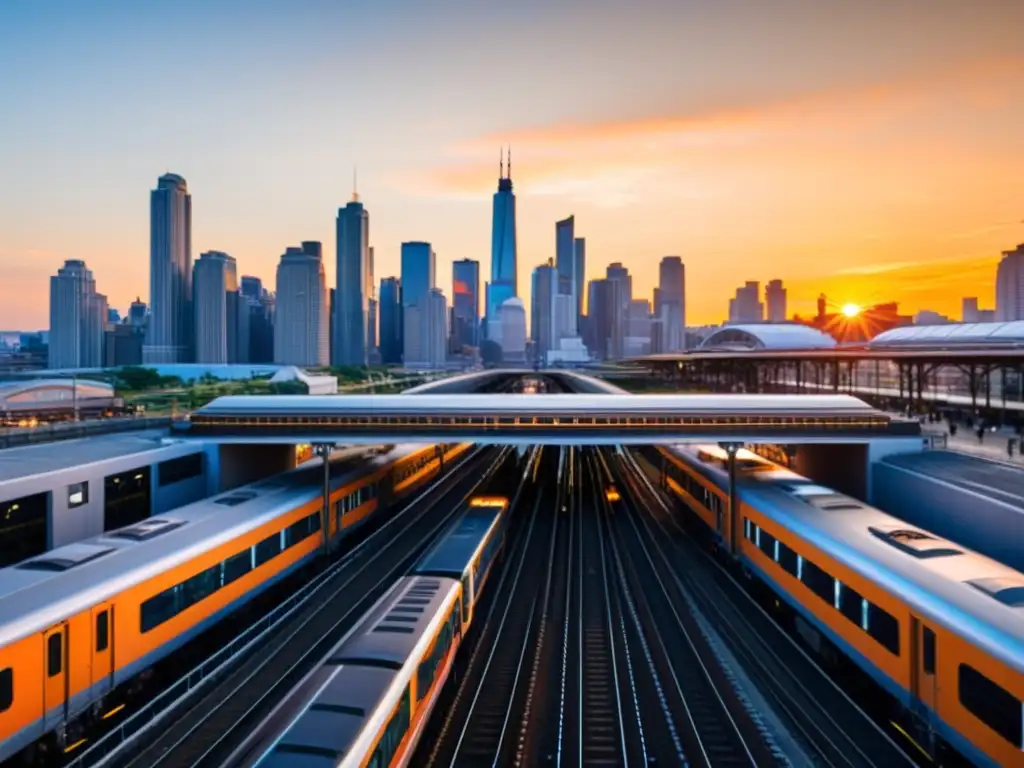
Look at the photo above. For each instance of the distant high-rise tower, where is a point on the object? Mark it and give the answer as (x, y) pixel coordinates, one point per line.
(301, 323)
(565, 255)
(580, 253)
(746, 307)
(169, 335)
(504, 260)
(372, 314)
(775, 301)
(1010, 286)
(418, 279)
(543, 317)
(218, 311)
(390, 320)
(670, 306)
(354, 287)
(620, 296)
(465, 304)
(77, 318)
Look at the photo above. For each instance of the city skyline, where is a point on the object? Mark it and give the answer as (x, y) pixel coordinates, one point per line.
(891, 177)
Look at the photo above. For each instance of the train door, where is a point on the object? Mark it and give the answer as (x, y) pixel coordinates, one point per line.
(55, 679)
(922, 667)
(103, 648)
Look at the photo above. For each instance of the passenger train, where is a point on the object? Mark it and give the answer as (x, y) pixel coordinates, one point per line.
(368, 702)
(937, 627)
(80, 623)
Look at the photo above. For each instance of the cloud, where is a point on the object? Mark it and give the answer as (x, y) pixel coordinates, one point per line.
(981, 231)
(880, 269)
(679, 141)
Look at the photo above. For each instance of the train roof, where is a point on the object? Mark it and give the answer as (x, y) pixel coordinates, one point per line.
(974, 595)
(486, 404)
(451, 555)
(351, 695)
(44, 590)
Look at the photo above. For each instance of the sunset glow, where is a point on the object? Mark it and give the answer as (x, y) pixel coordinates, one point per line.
(851, 310)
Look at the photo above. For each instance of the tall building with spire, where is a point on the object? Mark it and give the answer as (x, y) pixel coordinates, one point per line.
(503, 284)
(354, 286)
(169, 335)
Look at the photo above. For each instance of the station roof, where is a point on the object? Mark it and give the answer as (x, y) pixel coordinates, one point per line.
(950, 335)
(758, 336)
(50, 391)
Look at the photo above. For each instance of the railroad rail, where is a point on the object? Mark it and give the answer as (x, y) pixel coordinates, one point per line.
(825, 722)
(207, 726)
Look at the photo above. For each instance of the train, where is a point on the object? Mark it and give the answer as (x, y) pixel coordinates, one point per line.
(368, 701)
(81, 624)
(937, 628)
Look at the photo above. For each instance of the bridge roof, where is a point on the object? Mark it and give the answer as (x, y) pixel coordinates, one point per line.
(605, 418)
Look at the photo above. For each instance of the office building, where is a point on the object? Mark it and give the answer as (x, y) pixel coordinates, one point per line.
(77, 318)
(565, 259)
(355, 286)
(669, 330)
(251, 287)
(138, 313)
(513, 331)
(580, 254)
(746, 307)
(546, 279)
(504, 260)
(973, 314)
(435, 330)
(419, 277)
(391, 320)
(465, 304)
(1010, 286)
(372, 317)
(215, 298)
(775, 301)
(169, 334)
(301, 323)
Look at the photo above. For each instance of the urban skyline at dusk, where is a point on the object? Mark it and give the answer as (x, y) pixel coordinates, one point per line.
(891, 177)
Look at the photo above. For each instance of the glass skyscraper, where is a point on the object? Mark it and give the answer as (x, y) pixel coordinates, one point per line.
(169, 336)
(503, 284)
(465, 304)
(355, 287)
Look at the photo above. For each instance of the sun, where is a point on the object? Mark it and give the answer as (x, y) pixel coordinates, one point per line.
(851, 310)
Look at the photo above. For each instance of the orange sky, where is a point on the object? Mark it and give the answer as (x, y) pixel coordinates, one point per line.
(873, 152)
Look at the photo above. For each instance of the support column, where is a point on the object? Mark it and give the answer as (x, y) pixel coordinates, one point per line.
(323, 450)
(732, 532)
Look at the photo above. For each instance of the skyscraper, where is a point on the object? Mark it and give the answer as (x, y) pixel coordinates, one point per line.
(746, 306)
(169, 335)
(670, 305)
(418, 278)
(546, 279)
(77, 318)
(619, 296)
(372, 314)
(513, 330)
(435, 330)
(355, 285)
(1010, 286)
(390, 320)
(214, 279)
(465, 304)
(301, 331)
(565, 256)
(775, 300)
(504, 261)
(580, 252)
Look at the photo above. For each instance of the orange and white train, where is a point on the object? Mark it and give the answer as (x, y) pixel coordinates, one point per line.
(80, 623)
(939, 628)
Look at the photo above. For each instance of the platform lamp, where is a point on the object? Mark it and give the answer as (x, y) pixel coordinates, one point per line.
(732, 538)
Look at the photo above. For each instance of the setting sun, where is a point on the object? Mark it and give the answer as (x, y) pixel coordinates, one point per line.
(851, 310)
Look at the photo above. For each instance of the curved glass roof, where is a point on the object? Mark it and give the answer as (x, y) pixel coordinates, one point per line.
(768, 336)
(52, 390)
(958, 334)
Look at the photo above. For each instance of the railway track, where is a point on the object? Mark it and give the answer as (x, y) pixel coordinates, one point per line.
(478, 727)
(209, 730)
(710, 722)
(824, 721)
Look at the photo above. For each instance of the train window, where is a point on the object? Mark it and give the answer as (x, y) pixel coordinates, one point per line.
(819, 582)
(55, 654)
(787, 559)
(748, 529)
(102, 631)
(465, 599)
(236, 566)
(78, 495)
(393, 734)
(992, 704)
(766, 543)
(884, 628)
(199, 587)
(183, 468)
(6, 689)
(158, 609)
(851, 604)
(268, 549)
(928, 650)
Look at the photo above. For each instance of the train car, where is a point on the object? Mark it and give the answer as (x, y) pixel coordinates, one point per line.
(367, 703)
(937, 627)
(468, 550)
(81, 622)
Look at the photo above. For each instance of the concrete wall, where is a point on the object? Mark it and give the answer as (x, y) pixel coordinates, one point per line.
(847, 467)
(239, 464)
(65, 525)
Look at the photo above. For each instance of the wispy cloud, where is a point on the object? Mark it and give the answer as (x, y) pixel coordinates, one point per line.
(880, 269)
(982, 231)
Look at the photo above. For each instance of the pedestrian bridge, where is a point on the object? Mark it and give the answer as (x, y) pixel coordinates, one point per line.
(566, 419)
